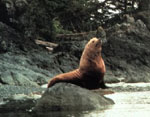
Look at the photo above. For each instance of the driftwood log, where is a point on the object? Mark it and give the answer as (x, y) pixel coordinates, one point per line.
(74, 34)
(48, 45)
(45, 43)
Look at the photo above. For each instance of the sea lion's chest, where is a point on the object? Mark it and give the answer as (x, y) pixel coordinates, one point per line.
(92, 75)
(91, 79)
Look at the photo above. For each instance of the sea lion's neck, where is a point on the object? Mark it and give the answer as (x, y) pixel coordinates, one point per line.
(94, 55)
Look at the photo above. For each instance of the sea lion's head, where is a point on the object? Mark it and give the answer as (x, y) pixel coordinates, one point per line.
(91, 54)
(92, 50)
(94, 44)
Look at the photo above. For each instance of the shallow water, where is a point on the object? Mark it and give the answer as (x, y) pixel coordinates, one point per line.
(127, 104)
(123, 84)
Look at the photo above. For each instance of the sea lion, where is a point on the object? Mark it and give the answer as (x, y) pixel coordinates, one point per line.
(90, 73)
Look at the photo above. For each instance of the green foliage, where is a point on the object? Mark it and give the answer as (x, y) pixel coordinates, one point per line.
(40, 19)
(83, 15)
(59, 28)
(46, 18)
(74, 15)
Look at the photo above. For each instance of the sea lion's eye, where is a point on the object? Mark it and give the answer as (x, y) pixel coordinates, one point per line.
(92, 41)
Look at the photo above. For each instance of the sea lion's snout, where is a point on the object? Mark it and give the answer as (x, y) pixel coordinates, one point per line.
(100, 41)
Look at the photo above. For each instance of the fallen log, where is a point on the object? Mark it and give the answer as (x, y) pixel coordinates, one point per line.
(74, 34)
(46, 44)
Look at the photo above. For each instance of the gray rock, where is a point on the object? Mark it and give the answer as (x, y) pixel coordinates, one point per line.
(21, 80)
(6, 78)
(101, 34)
(18, 70)
(11, 105)
(3, 46)
(144, 16)
(68, 97)
(126, 52)
(140, 24)
(129, 19)
(13, 41)
(7, 91)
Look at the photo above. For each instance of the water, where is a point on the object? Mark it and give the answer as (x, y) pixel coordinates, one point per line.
(127, 104)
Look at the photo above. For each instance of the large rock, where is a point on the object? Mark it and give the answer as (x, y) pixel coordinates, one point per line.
(24, 63)
(144, 16)
(13, 41)
(22, 70)
(68, 97)
(7, 91)
(127, 52)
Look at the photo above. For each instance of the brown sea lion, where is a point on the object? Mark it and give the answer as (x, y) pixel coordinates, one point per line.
(90, 73)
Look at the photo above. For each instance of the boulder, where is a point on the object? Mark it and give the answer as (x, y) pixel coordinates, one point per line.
(144, 16)
(69, 97)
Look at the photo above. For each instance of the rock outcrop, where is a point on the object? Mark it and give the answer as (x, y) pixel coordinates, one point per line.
(126, 52)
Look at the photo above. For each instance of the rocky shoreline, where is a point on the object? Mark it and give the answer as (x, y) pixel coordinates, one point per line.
(26, 66)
